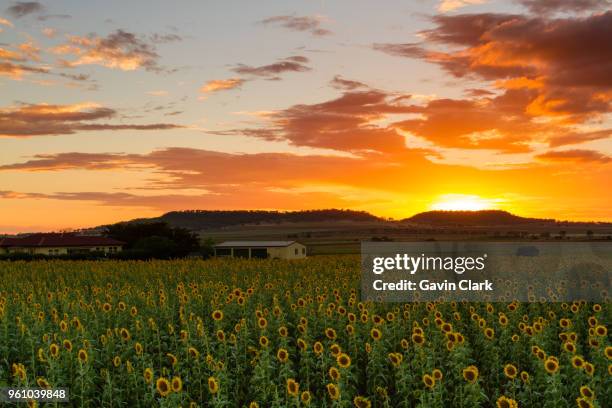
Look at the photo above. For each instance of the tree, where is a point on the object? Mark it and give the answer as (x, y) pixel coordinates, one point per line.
(184, 241)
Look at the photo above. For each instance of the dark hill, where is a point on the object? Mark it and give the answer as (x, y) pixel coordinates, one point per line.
(204, 219)
(473, 218)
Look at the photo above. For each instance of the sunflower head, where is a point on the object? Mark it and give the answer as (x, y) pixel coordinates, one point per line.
(510, 371)
(551, 365)
(163, 386)
(470, 374)
(429, 381)
(333, 391)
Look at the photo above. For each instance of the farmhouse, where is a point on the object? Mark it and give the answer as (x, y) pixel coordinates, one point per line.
(261, 249)
(58, 244)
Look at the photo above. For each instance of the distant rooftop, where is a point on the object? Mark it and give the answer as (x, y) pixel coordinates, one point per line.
(254, 244)
(57, 240)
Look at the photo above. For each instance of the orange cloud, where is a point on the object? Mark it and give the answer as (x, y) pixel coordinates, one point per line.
(120, 50)
(575, 156)
(216, 85)
(45, 119)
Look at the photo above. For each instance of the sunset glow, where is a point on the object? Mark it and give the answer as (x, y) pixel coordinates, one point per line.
(460, 202)
(107, 116)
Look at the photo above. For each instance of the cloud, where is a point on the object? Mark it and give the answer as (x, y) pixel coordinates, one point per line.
(120, 50)
(346, 84)
(450, 5)
(291, 64)
(553, 6)
(45, 119)
(16, 71)
(577, 155)
(216, 85)
(567, 60)
(347, 123)
(5, 22)
(311, 24)
(579, 137)
(23, 8)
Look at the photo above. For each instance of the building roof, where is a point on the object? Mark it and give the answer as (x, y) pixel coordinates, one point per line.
(254, 244)
(58, 240)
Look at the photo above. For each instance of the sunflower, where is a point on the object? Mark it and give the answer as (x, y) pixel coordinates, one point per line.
(601, 330)
(148, 375)
(608, 352)
(510, 371)
(489, 333)
(54, 350)
(597, 307)
(177, 384)
(117, 361)
(42, 383)
(125, 334)
(138, 348)
(263, 341)
(551, 365)
(318, 348)
(253, 404)
(376, 334)
(418, 339)
(437, 374)
(330, 333)
(335, 349)
(213, 385)
(404, 344)
(429, 381)
(163, 386)
(589, 368)
(505, 402)
(343, 360)
(334, 374)
(106, 307)
(587, 393)
(396, 359)
(525, 376)
(282, 331)
(67, 345)
(577, 362)
(293, 388)
(262, 323)
(306, 397)
(217, 315)
(221, 335)
(333, 391)
(361, 402)
(470, 374)
(282, 355)
(82, 355)
(172, 359)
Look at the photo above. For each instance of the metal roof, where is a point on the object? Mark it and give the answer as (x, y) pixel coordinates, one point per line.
(254, 244)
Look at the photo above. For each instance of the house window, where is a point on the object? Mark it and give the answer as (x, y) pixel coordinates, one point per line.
(296, 251)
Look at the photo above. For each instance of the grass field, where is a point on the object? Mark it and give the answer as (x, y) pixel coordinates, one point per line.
(241, 333)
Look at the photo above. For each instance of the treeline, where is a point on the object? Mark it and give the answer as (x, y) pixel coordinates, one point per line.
(204, 219)
(156, 240)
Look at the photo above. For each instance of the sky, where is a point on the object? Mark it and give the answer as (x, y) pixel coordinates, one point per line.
(114, 110)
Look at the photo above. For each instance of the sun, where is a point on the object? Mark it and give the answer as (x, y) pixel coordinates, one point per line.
(463, 202)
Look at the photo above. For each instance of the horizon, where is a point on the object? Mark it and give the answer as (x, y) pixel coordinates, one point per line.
(438, 104)
(381, 218)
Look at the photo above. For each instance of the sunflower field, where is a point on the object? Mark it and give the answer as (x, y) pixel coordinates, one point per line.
(270, 333)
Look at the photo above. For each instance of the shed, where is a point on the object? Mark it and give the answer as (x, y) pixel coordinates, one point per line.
(261, 249)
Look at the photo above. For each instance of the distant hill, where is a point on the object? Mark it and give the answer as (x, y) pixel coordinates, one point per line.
(204, 219)
(474, 218)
